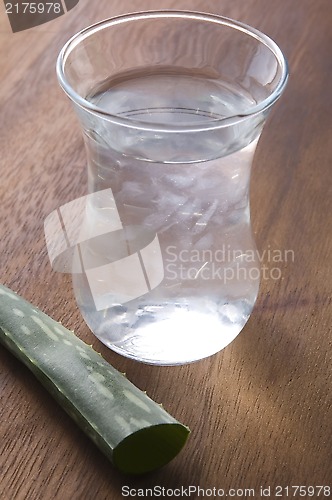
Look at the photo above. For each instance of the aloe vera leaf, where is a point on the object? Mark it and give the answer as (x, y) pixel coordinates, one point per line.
(133, 431)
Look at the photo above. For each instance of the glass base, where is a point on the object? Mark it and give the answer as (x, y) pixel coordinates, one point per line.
(165, 333)
(179, 340)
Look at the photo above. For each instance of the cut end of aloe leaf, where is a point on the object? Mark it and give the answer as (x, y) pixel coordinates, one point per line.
(150, 448)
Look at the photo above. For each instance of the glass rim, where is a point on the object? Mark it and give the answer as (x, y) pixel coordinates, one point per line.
(165, 13)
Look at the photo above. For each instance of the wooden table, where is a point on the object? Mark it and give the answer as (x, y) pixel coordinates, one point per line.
(261, 410)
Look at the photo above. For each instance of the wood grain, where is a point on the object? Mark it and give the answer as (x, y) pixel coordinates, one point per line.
(261, 410)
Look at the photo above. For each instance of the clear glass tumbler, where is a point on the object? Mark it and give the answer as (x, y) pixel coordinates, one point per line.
(171, 105)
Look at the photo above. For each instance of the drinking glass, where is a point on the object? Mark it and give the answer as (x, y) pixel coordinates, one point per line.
(171, 105)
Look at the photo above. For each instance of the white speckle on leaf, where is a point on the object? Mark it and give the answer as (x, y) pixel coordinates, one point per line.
(8, 294)
(59, 331)
(84, 355)
(18, 312)
(25, 330)
(45, 328)
(136, 400)
(104, 391)
(79, 348)
(98, 379)
(123, 423)
(67, 342)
